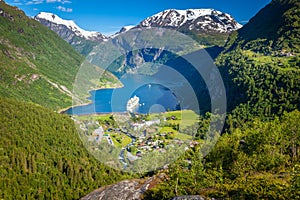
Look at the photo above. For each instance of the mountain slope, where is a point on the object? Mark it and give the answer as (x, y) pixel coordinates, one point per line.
(42, 156)
(277, 25)
(82, 40)
(261, 62)
(36, 64)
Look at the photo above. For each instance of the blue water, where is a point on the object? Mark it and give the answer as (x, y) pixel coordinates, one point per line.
(155, 96)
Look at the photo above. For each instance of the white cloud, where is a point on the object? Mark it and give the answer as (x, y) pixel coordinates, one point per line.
(16, 3)
(64, 9)
(58, 1)
(34, 2)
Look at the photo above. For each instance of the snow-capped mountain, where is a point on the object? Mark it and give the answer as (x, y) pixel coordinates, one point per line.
(214, 25)
(83, 41)
(197, 20)
(67, 29)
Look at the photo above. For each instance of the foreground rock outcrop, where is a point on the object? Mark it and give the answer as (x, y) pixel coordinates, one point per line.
(125, 190)
(132, 190)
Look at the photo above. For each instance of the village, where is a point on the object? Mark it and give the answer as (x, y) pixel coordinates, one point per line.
(139, 136)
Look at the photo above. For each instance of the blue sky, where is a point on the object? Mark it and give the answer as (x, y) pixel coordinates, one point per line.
(110, 15)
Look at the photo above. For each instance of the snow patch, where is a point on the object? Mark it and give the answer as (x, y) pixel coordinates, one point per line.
(127, 28)
(68, 23)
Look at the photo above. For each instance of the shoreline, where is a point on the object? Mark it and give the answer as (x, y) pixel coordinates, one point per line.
(63, 110)
(99, 114)
(123, 113)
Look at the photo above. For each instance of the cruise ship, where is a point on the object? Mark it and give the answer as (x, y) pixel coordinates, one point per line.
(133, 103)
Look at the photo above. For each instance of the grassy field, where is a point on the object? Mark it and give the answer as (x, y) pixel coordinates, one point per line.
(182, 136)
(120, 140)
(100, 117)
(176, 134)
(184, 118)
(280, 62)
(167, 129)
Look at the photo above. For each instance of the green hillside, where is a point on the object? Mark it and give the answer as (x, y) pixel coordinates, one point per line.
(258, 161)
(36, 64)
(274, 28)
(261, 63)
(42, 156)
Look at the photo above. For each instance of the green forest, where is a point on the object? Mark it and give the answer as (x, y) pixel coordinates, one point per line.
(42, 156)
(258, 161)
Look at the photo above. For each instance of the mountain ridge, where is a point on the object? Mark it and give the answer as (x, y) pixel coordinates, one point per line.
(200, 20)
(207, 23)
(207, 26)
(70, 24)
(83, 41)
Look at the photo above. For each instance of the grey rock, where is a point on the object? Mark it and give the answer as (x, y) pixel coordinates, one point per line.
(124, 190)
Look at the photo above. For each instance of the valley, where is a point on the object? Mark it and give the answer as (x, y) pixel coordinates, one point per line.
(213, 108)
